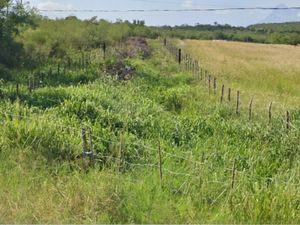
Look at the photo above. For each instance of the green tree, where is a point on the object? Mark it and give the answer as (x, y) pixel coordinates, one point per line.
(14, 17)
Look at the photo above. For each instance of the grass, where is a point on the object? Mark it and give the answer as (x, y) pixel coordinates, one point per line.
(263, 72)
(42, 182)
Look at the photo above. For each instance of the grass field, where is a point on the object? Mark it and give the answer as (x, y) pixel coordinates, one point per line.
(265, 72)
(217, 167)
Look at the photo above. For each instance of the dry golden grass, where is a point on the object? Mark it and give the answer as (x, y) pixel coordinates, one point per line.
(265, 72)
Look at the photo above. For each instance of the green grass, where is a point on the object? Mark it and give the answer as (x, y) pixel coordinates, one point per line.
(42, 182)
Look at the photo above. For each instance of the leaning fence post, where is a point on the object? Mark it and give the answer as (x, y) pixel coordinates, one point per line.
(237, 102)
(160, 163)
(250, 109)
(222, 92)
(270, 112)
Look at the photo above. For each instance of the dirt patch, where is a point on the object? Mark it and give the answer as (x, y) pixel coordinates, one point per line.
(120, 70)
(135, 48)
(131, 48)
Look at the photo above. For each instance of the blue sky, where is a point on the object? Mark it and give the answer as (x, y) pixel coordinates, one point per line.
(237, 18)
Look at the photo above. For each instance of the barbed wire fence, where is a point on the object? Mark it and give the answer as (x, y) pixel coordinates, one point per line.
(92, 154)
(210, 82)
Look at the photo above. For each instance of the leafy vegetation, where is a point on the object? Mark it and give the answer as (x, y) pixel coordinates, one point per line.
(215, 166)
(281, 33)
(199, 139)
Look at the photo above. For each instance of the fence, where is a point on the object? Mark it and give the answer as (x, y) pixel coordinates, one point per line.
(188, 168)
(93, 156)
(210, 82)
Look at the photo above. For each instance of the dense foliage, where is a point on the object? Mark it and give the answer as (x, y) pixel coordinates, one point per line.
(282, 33)
(13, 19)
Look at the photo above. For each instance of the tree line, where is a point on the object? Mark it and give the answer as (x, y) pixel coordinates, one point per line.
(28, 39)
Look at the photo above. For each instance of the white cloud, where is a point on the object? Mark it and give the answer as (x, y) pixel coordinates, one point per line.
(187, 4)
(298, 14)
(49, 5)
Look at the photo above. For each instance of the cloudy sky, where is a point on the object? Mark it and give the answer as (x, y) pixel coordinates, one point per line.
(238, 18)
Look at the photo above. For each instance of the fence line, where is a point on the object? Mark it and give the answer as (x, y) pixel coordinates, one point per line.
(191, 66)
(195, 67)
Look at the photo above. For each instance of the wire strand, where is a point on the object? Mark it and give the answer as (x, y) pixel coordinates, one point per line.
(170, 10)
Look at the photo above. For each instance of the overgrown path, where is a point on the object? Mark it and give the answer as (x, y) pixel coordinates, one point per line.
(165, 151)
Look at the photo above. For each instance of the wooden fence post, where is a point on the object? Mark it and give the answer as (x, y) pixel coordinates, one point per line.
(287, 120)
(84, 141)
(229, 94)
(209, 82)
(165, 42)
(179, 56)
(250, 109)
(222, 93)
(86, 152)
(270, 112)
(104, 50)
(237, 102)
(215, 85)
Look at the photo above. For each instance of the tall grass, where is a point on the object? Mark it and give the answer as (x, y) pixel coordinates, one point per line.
(42, 181)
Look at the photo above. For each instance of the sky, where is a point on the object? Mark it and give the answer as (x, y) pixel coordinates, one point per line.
(236, 18)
